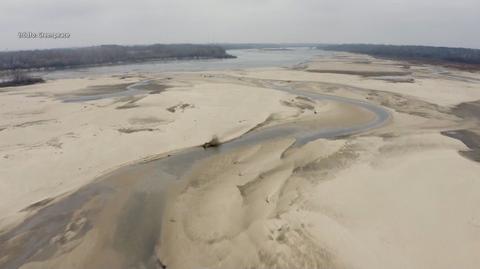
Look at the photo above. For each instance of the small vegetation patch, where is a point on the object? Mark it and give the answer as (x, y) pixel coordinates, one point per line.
(214, 142)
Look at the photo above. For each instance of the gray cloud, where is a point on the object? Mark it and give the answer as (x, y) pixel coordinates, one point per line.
(92, 22)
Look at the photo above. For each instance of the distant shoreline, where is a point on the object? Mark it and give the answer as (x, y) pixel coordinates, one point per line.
(459, 58)
(60, 59)
(118, 63)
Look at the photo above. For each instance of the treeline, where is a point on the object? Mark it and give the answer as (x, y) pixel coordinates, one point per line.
(420, 53)
(105, 54)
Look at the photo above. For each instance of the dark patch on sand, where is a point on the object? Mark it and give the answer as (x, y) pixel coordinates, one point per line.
(32, 123)
(470, 139)
(128, 106)
(155, 88)
(103, 89)
(55, 142)
(304, 98)
(296, 104)
(131, 102)
(180, 107)
(146, 120)
(134, 130)
(37, 205)
(470, 110)
(93, 93)
(387, 136)
(156, 92)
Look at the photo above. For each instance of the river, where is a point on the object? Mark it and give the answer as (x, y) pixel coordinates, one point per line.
(246, 58)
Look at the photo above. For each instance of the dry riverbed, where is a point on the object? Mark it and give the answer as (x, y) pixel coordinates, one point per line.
(403, 195)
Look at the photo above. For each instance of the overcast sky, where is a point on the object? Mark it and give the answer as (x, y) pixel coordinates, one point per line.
(94, 22)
